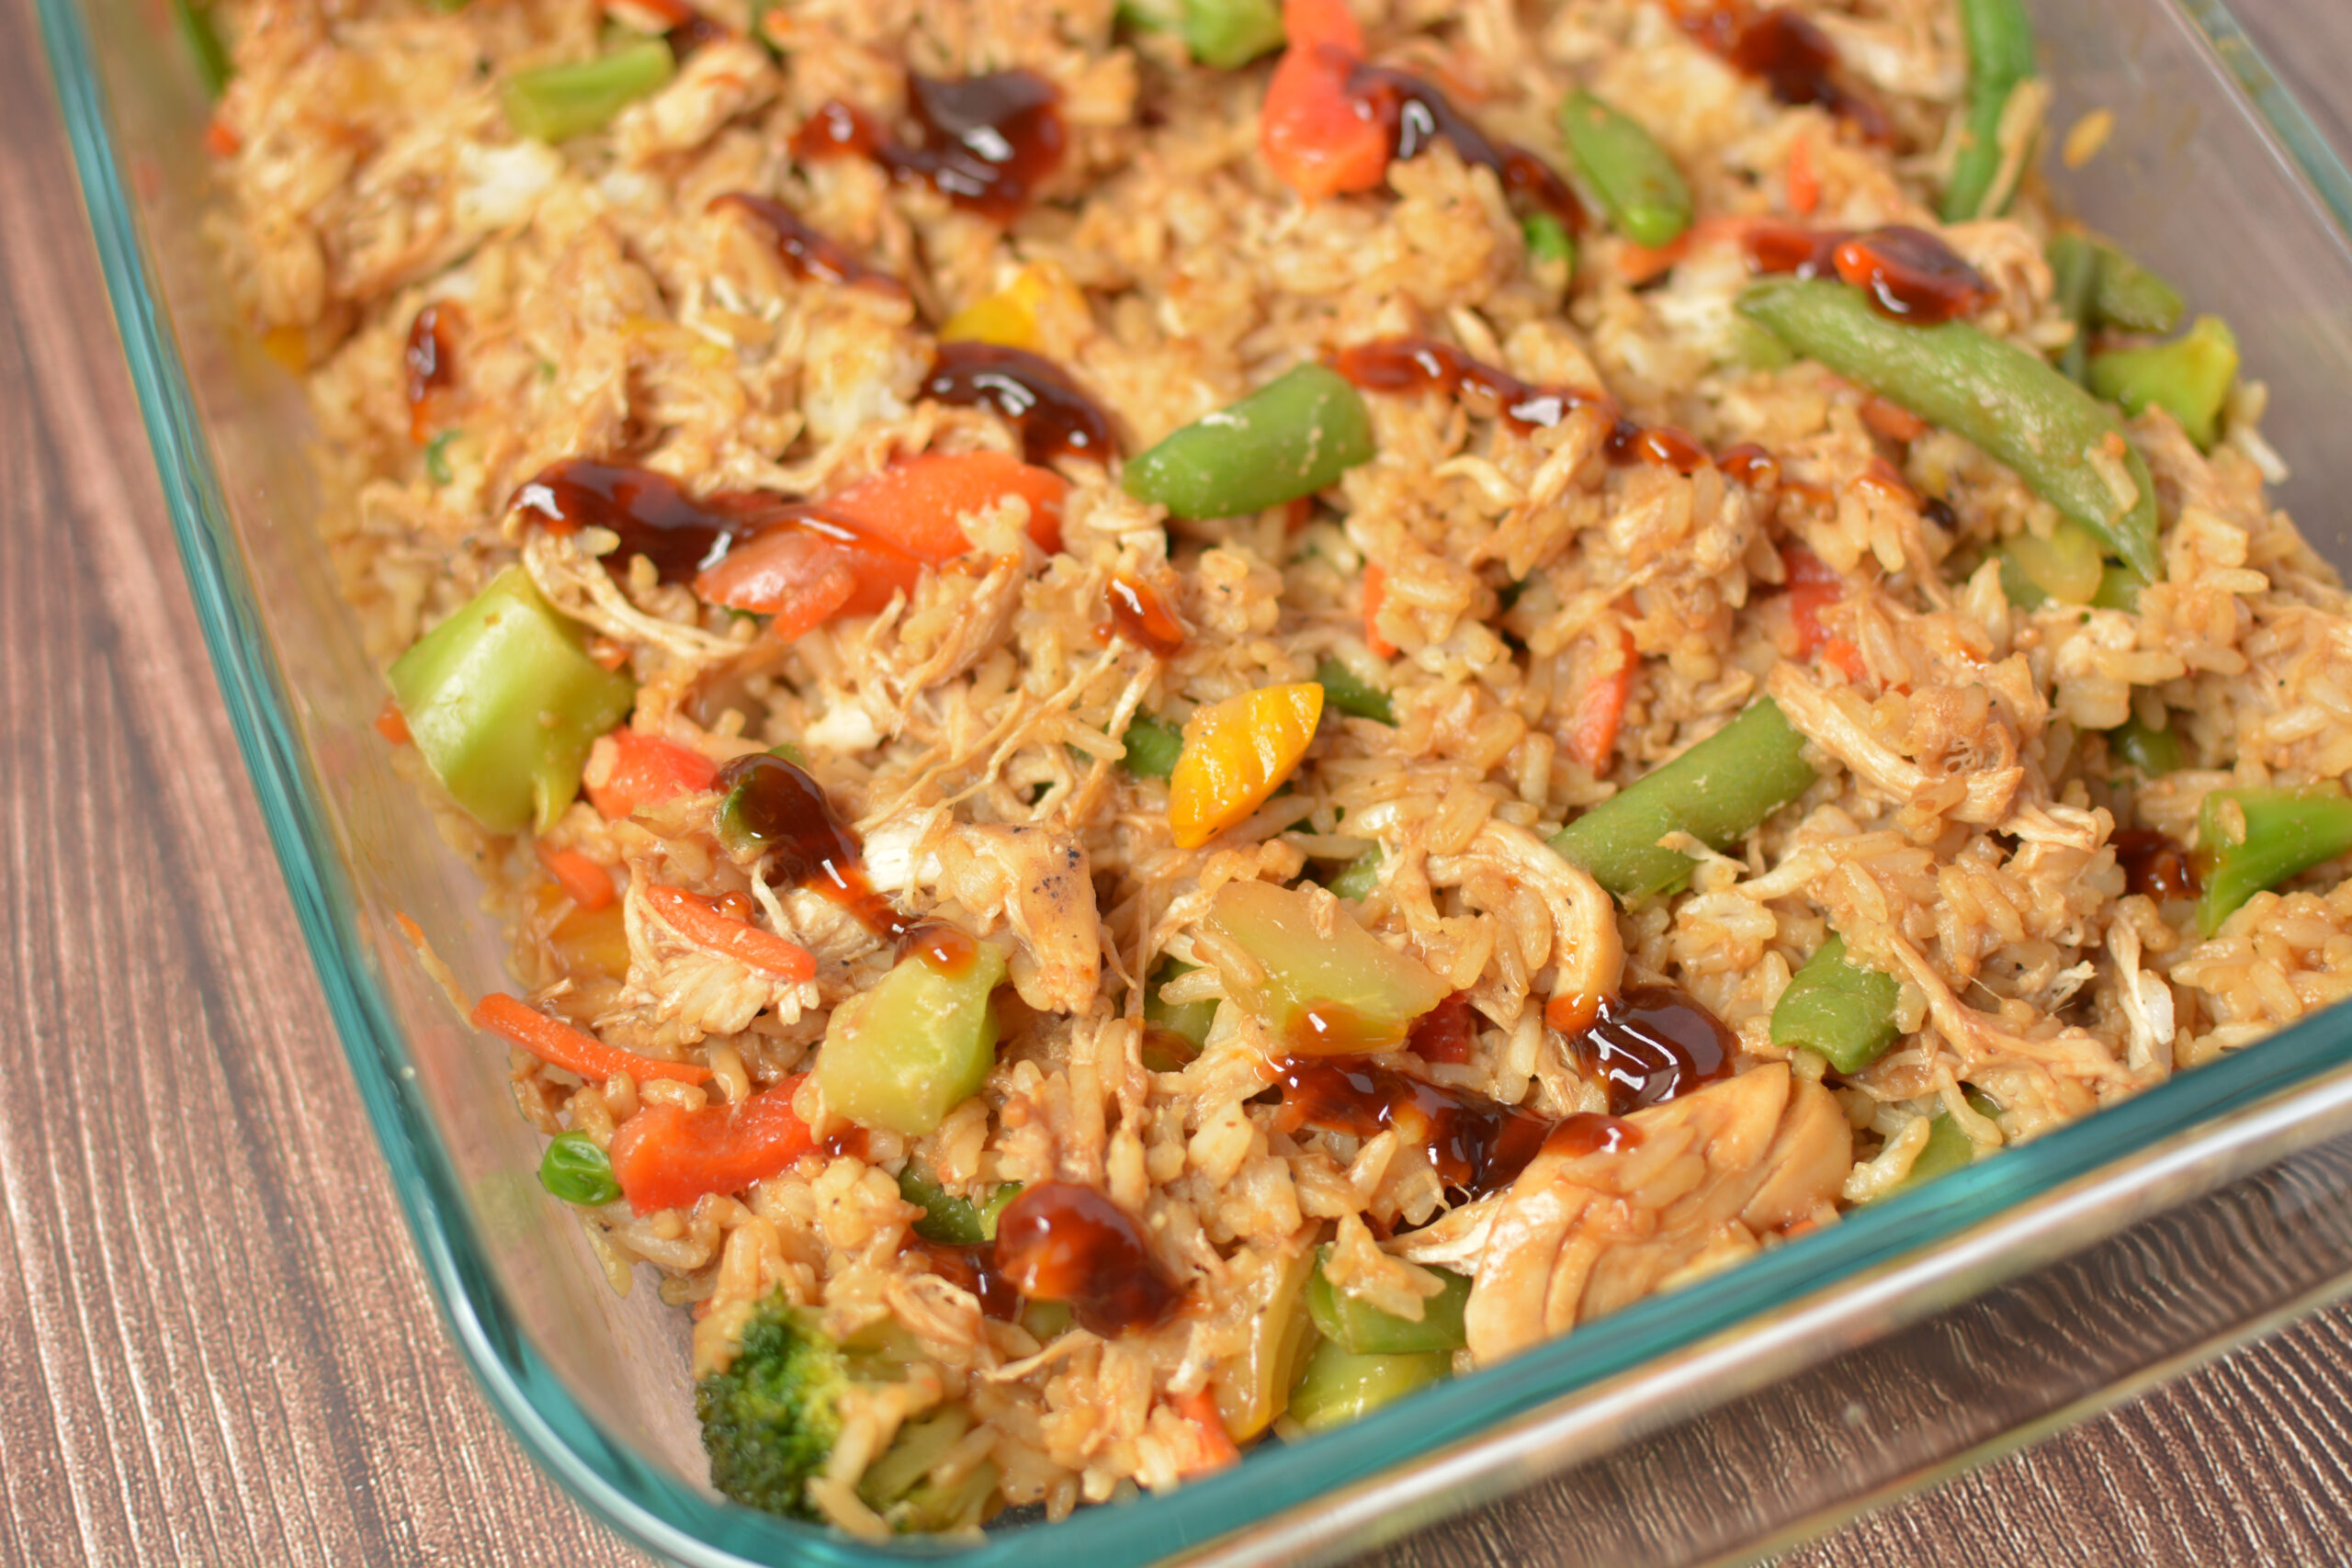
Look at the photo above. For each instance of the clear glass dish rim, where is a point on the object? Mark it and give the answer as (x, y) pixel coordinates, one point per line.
(678, 1520)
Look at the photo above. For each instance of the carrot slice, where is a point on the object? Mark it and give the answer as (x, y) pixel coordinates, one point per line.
(1376, 593)
(581, 879)
(703, 925)
(648, 770)
(1813, 588)
(804, 578)
(1319, 141)
(392, 724)
(918, 505)
(666, 1157)
(574, 1050)
(1207, 1446)
(1592, 732)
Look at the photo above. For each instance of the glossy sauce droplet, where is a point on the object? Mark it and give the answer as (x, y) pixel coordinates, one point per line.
(1140, 615)
(975, 1268)
(987, 142)
(1589, 1132)
(1660, 445)
(431, 359)
(686, 29)
(1792, 56)
(2154, 865)
(1652, 1044)
(1475, 1144)
(778, 807)
(651, 515)
(1912, 275)
(1420, 364)
(808, 253)
(1447, 1033)
(1748, 464)
(1028, 391)
(1061, 1242)
(946, 948)
(1416, 114)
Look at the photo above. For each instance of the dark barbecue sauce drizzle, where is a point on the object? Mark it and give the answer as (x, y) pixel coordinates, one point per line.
(1061, 1242)
(653, 517)
(776, 804)
(808, 253)
(1909, 274)
(2155, 866)
(431, 360)
(1792, 56)
(1416, 114)
(985, 143)
(975, 1268)
(1477, 1145)
(1652, 1044)
(1030, 392)
(686, 29)
(1140, 615)
(1419, 364)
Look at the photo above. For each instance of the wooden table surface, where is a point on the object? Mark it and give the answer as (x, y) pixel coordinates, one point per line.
(216, 1345)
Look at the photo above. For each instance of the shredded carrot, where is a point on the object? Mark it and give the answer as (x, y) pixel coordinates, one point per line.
(1208, 1446)
(581, 879)
(1376, 593)
(1804, 181)
(1592, 732)
(574, 1050)
(392, 724)
(1845, 659)
(1892, 421)
(1640, 263)
(703, 925)
(219, 139)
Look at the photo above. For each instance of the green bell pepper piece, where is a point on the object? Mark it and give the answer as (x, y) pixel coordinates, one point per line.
(2271, 835)
(1839, 1009)
(1363, 1330)
(556, 103)
(905, 1054)
(2190, 377)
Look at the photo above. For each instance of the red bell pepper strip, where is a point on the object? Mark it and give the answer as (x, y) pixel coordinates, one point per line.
(648, 770)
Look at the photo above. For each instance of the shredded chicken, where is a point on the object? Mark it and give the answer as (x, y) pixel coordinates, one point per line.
(679, 992)
(1040, 885)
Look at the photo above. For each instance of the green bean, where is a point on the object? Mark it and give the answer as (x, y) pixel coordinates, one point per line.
(1636, 182)
(577, 1171)
(2155, 752)
(555, 103)
(1548, 240)
(2000, 58)
(2131, 298)
(1717, 791)
(1153, 745)
(947, 1219)
(2190, 377)
(1338, 1387)
(2074, 276)
(2008, 401)
(1288, 439)
(1839, 1009)
(2249, 840)
(1350, 694)
(1365, 1330)
(213, 67)
(1359, 878)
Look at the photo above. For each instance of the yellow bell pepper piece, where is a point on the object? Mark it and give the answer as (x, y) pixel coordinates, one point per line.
(1013, 316)
(1236, 754)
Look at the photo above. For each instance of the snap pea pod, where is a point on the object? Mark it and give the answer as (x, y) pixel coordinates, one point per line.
(2074, 288)
(1153, 745)
(1350, 694)
(2155, 752)
(2190, 377)
(1288, 439)
(555, 103)
(1839, 1009)
(1223, 34)
(2250, 839)
(2000, 58)
(2009, 402)
(1717, 791)
(1365, 1330)
(1339, 1386)
(2131, 298)
(1636, 180)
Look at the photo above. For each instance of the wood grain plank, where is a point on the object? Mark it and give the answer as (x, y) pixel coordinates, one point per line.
(219, 1343)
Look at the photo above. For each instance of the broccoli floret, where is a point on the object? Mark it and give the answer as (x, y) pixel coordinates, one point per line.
(769, 1420)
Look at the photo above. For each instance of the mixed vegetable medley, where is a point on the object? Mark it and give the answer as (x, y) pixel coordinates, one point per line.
(1196, 712)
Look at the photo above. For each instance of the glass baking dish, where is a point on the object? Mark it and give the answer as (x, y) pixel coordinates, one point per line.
(1918, 1335)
